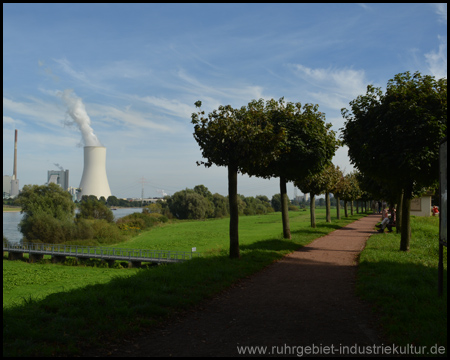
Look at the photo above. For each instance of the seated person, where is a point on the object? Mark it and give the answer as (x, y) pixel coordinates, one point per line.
(435, 210)
(388, 221)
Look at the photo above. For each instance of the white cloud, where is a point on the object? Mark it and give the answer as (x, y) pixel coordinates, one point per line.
(441, 11)
(437, 60)
(365, 6)
(127, 118)
(41, 112)
(7, 120)
(67, 68)
(223, 94)
(338, 86)
(171, 107)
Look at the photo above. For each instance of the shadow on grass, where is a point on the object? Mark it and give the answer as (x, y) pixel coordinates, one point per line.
(64, 323)
(272, 245)
(405, 297)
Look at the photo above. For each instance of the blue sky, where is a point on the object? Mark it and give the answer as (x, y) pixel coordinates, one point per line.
(139, 68)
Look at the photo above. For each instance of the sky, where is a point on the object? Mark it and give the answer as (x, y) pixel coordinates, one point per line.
(136, 71)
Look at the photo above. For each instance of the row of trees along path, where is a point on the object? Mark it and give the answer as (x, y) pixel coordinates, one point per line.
(272, 139)
(393, 141)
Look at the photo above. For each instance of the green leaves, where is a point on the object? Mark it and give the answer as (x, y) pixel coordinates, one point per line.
(398, 131)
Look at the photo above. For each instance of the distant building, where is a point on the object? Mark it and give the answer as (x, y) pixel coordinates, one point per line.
(421, 206)
(10, 187)
(59, 177)
(14, 187)
(6, 186)
(75, 193)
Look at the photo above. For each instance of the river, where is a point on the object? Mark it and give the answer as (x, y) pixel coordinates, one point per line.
(12, 218)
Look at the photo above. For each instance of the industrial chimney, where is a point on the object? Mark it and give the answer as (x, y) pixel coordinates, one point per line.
(15, 156)
(14, 180)
(94, 180)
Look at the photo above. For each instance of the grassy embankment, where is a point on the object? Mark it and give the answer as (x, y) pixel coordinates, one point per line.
(46, 313)
(403, 286)
(11, 208)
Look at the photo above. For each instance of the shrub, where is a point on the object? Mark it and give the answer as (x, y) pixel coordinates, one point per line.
(84, 229)
(140, 221)
(91, 208)
(42, 227)
(105, 232)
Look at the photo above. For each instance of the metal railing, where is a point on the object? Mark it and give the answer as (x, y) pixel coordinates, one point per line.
(100, 252)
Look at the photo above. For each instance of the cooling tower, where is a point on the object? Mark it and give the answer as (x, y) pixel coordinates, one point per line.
(94, 180)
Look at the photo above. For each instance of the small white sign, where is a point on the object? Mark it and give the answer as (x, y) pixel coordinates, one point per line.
(194, 249)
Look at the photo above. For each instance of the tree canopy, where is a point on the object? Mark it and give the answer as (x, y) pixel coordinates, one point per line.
(48, 213)
(305, 146)
(238, 139)
(394, 136)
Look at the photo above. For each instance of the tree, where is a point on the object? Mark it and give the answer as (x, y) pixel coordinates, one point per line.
(153, 208)
(330, 176)
(376, 189)
(189, 204)
(394, 137)
(338, 189)
(276, 202)
(236, 139)
(266, 202)
(220, 205)
(203, 191)
(112, 201)
(92, 208)
(306, 145)
(48, 213)
(353, 191)
(314, 185)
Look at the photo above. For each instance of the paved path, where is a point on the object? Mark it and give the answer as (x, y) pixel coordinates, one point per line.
(305, 299)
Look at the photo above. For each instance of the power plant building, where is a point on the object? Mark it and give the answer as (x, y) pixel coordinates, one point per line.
(11, 183)
(94, 180)
(59, 177)
(6, 186)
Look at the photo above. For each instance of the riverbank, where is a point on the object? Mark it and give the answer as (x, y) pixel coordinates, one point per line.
(11, 209)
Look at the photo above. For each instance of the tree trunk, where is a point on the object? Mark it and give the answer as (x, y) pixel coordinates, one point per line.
(312, 207)
(345, 208)
(328, 206)
(398, 220)
(284, 208)
(338, 208)
(234, 212)
(406, 222)
(351, 207)
(357, 207)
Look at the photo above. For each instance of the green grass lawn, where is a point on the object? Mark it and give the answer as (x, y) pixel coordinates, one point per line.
(212, 235)
(53, 309)
(12, 208)
(23, 282)
(403, 286)
(59, 319)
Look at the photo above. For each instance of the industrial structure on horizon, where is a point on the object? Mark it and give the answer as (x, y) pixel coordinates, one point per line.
(94, 180)
(11, 183)
(59, 177)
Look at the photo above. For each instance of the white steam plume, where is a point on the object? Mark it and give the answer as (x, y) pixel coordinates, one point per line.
(77, 111)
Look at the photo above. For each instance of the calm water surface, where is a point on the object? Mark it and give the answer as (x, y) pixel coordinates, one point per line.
(12, 219)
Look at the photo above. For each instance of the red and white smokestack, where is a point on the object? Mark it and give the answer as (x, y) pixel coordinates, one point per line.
(15, 157)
